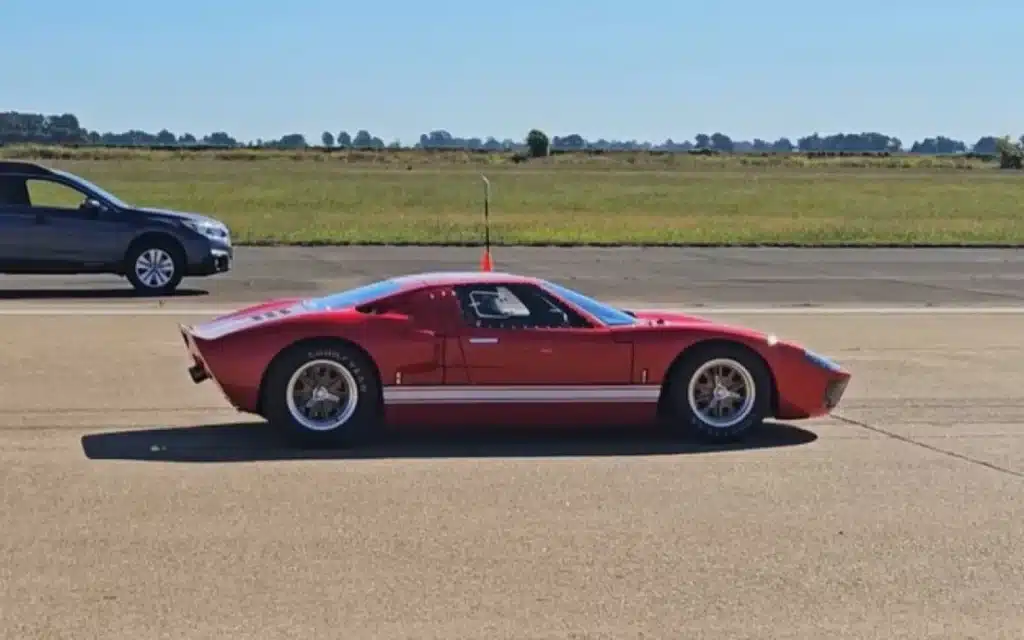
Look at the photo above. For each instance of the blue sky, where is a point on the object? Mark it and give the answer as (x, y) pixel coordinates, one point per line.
(643, 69)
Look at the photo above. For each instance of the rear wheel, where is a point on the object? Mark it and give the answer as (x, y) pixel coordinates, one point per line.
(323, 394)
(720, 393)
(155, 267)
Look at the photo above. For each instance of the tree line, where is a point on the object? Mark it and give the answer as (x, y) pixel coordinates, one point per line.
(66, 129)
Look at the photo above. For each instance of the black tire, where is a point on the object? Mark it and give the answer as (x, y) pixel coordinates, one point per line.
(683, 418)
(360, 424)
(157, 248)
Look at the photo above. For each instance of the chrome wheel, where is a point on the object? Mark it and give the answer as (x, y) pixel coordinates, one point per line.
(154, 268)
(722, 393)
(322, 395)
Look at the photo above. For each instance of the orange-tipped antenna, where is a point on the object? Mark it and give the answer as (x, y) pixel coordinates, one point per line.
(486, 261)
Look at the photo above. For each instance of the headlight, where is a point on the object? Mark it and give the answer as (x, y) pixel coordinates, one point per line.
(209, 229)
(822, 361)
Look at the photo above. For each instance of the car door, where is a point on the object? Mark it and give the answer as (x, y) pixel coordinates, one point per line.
(67, 230)
(516, 334)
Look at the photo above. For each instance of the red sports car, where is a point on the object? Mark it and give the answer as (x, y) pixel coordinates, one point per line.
(495, 348)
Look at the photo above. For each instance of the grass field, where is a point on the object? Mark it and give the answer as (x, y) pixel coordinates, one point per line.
(416, 197)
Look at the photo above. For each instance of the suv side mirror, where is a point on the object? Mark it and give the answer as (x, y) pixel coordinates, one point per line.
(93, 205)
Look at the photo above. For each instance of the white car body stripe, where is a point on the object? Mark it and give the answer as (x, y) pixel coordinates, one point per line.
(480, 394)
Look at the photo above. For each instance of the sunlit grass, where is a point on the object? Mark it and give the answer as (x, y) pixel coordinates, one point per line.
(277, 199)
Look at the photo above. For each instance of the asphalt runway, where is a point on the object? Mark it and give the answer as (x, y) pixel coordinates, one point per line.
(677, 276)
(137, 505)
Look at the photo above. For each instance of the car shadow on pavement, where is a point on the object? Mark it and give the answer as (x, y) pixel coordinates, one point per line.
(255, 441)
(90, 294)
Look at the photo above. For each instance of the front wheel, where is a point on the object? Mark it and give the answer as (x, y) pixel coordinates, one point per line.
(155, 268)
(720, 393)
(323, 395)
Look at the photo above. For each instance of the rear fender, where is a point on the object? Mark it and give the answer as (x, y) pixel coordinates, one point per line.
(238, 359)
(351, 344)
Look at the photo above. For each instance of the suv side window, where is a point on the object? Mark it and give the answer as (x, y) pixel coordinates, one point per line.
(50, 194)
(13, 192)
(514, 306)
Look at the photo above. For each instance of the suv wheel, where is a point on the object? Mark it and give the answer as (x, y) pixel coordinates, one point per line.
(155, 267)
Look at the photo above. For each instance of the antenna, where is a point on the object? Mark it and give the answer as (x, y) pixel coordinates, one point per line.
(486, 262)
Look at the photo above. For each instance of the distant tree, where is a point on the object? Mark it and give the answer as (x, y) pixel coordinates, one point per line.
(292, 141)
(438, 139)
(165, 137)
(1011, 155)
(941, 144)
(363, 140)
(571, 142)
(721, 142)
(327, 138)
(986, 144)
(220, 139)
(538, 143)
(809, 143)
(59, 129)
(783, 145)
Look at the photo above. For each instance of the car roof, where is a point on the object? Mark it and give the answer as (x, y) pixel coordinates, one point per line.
(21, 167)
(438, 278)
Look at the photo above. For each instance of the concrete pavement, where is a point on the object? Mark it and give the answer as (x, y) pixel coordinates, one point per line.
(136, 504)
(680, 276)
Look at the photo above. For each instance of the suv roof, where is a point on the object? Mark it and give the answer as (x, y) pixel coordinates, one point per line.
(24, 168)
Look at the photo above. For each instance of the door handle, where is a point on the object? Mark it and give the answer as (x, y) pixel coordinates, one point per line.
(483, 341)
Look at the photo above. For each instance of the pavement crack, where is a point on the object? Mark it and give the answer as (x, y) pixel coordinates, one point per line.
(932, 448)
(1003, 295)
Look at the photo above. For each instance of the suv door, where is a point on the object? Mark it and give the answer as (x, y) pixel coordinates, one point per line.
(17, 225)
(517, 334)
(70, 231)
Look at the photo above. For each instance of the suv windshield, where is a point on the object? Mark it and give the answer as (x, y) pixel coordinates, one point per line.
(353, 297)
(88, 186)
(607, 314)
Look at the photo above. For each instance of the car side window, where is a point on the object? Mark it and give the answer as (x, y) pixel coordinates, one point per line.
(513, 306)
(50, 194)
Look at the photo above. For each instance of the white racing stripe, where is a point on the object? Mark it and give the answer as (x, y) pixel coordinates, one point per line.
(133, 311)
(488, 394)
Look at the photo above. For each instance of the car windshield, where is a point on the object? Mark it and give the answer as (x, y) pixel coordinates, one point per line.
(608, 315)
(88, 186)
(353, 297)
